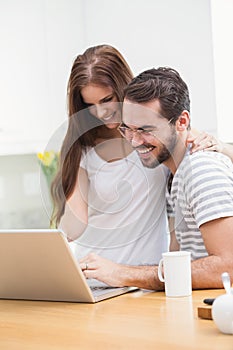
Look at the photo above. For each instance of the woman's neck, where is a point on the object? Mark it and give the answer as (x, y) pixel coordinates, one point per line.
(110, 145)
(106, 134)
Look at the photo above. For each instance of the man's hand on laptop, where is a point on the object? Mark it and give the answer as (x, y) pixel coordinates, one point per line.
(119, 275)
(104, 270)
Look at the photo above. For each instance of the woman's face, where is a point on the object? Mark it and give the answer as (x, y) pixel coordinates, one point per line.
(102, 104)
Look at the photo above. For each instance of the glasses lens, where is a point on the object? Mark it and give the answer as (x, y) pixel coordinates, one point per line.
(126, 132)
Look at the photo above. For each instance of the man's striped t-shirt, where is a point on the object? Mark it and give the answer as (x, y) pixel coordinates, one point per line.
(202, 190)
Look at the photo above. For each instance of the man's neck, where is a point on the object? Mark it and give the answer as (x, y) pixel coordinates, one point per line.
(177, 155)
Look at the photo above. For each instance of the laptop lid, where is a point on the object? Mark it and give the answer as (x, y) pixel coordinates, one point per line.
(39, 265)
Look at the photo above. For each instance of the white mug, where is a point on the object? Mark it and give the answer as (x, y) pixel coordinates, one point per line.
(177, 273)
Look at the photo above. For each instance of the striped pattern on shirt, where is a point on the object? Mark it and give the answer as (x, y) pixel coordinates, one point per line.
(202, 190)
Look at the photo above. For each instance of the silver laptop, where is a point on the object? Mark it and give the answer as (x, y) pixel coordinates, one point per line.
(39, 265)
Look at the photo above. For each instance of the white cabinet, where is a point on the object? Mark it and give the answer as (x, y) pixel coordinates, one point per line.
(38, 42)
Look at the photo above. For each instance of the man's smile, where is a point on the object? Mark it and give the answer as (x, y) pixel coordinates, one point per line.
(144, 150)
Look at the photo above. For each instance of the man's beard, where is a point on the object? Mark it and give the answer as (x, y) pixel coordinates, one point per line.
(164, 154)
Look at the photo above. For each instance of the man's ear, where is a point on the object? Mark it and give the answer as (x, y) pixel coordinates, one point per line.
(183, 121)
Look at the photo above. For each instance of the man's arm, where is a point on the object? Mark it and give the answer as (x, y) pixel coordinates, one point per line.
(218, 238)
(118, 275)
(206, 272)
(174, 245)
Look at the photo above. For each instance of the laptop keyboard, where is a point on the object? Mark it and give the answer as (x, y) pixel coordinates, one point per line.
(97, 291)
(93, 288)
(99, 288)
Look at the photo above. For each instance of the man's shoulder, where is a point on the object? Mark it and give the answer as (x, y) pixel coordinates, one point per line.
(206, 158)
(200, 165)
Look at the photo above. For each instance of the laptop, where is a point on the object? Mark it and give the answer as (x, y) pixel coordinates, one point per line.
(39, 265)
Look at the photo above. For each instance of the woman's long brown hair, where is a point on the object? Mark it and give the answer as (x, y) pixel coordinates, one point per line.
(102, 65)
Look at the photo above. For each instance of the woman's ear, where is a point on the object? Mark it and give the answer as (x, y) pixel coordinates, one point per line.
(183, 121)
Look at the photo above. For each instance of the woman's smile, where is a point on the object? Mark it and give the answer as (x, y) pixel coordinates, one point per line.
(102, 104)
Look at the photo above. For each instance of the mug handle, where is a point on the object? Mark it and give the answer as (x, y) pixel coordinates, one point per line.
(160, 269)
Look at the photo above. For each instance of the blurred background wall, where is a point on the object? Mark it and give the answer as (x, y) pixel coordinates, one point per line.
(39, 40)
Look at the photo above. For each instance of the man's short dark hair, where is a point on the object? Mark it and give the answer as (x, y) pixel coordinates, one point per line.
(164, 84)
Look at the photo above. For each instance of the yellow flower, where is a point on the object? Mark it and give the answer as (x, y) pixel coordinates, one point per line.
(49, 164)
(47, 157)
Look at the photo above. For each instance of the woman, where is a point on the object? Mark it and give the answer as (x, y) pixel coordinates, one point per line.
(105, 200)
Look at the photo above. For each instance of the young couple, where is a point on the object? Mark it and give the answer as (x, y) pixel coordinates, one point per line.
(110, 192)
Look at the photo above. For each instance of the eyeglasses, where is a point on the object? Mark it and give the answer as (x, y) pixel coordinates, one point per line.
(128, 133)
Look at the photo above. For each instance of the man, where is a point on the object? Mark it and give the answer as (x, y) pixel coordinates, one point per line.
(156, 121)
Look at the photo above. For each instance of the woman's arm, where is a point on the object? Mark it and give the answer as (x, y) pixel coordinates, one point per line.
(226, 149)
(204, 141)
(75, 217)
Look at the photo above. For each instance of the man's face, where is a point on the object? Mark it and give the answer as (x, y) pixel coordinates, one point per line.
(155, 139)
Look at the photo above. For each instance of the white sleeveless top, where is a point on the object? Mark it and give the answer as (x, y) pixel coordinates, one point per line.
(127, 220)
